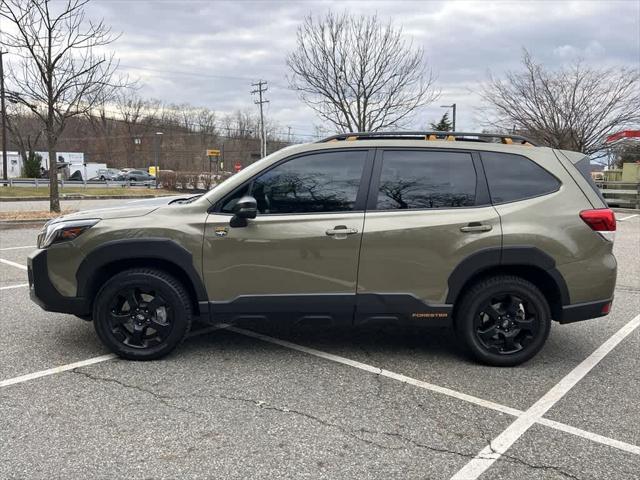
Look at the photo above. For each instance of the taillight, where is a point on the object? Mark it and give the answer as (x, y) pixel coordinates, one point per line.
(601, 220)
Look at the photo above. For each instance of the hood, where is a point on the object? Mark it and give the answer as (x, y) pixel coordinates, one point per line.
(127, 209)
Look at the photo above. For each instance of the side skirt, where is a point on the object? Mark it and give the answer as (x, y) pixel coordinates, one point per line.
(332, 309)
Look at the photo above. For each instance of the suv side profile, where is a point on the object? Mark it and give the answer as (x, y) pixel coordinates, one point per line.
(489, 234)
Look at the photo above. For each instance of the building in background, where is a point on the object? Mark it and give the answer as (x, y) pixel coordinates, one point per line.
(75, 160)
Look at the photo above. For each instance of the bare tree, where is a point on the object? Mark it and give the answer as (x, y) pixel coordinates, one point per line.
(25, 130)
(573, 108)
(358, 73)
(58, 75)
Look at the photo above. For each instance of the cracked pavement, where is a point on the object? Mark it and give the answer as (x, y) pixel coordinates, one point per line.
(229, 406)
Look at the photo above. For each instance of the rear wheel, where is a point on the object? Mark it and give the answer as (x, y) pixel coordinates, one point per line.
(503, 320)
(142, 314)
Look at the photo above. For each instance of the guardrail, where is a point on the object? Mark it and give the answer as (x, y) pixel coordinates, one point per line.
(621, 194)
(44, 182)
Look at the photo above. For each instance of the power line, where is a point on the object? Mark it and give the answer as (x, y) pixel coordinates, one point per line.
(218, 124)
(262, 88)
(193, 74)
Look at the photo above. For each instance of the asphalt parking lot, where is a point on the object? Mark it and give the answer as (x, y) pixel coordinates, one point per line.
(282, 402)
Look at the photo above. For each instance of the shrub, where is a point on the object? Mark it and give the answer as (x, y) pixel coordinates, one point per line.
(169, 180)
(207, 180)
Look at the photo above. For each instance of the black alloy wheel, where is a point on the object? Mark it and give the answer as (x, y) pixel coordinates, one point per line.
(503, 320)
(142, 314)
(140, 317)
(506, 324)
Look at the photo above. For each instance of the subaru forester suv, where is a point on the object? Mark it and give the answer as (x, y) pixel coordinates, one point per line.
(489, 234)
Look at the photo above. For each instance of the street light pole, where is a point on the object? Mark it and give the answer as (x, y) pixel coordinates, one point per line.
(453, 123)
(158, 137)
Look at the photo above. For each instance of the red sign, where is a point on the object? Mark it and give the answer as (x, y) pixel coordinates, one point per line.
(237, 167)
(623, 134)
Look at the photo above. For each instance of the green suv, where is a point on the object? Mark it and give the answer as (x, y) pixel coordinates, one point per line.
(489, 234)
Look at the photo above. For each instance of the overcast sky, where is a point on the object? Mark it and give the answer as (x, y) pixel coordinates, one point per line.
(207, 52)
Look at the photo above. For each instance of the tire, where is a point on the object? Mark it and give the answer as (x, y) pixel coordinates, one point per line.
(142, 314)
(503, 320)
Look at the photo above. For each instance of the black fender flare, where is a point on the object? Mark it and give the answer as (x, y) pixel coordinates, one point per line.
(163, 249)
(513, 256)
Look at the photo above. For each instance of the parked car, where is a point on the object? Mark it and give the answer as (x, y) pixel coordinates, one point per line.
(136, 176)
(492, 239)
(107, 174)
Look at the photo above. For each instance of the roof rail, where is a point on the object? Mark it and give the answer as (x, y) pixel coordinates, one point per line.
(432, 135)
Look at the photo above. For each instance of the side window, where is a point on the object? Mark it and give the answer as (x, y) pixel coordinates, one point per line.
(426, 179)
(231, 201)
(314, 183)
(513, 177)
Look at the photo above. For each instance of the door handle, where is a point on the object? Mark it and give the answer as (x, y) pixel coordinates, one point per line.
(341, 230)
(476, 227)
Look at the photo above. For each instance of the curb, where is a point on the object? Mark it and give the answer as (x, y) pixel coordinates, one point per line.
(83, 197)
(36, 223)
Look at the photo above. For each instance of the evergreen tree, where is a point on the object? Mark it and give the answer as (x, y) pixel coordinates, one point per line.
(444, 125)
(31, 167)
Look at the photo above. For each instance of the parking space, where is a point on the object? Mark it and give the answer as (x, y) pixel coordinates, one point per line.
(285, 402)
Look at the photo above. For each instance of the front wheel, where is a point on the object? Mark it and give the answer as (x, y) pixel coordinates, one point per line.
(503, 320)
(142, 314)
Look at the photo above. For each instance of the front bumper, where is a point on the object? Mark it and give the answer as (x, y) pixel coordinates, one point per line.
(45, 294)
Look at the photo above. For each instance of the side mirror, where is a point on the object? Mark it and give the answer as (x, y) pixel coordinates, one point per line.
(246, 207)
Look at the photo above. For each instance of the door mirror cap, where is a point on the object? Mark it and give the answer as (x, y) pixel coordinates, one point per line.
(246, 207)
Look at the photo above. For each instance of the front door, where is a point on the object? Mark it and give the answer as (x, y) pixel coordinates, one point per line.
(300, 254)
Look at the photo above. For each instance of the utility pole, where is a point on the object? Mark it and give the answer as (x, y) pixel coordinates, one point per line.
(453, 123)
(156, 171)
(3, 113)
(261, 88)
(289, 135)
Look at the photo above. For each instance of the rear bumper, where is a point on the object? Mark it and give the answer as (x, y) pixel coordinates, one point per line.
(44, 293)
(585, 311)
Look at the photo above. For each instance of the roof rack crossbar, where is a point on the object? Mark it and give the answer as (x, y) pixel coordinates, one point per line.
(432, 135)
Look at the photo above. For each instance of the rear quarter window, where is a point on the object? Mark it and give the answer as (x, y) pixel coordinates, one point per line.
(514, 177)
(584, 167)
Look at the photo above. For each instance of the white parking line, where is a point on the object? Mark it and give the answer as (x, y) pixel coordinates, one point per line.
(13, 264)
(89, 361)
(17, 248)
(498, 446)
(611, 442)
(9, 287)
(53, 371)
(627, 218)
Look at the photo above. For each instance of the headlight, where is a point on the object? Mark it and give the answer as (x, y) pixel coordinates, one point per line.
(63, 231)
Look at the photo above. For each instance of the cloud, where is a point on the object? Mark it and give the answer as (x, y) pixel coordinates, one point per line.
(208, 52)
(592, 50)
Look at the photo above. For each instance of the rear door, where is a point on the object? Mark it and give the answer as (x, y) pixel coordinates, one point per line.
(427, 211)
(300, 254)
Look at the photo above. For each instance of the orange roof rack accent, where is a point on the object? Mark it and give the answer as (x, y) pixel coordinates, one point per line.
(509, 139)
